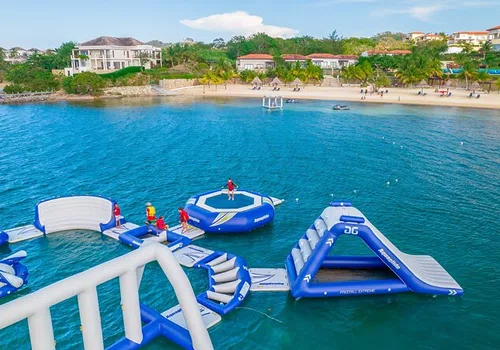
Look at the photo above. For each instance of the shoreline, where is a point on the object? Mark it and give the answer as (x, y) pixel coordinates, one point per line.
(352, 94)
(396, 96)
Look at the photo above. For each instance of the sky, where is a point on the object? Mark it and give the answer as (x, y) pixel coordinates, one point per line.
(46, 24)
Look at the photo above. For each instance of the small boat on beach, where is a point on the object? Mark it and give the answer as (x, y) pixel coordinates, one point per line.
(340, 108)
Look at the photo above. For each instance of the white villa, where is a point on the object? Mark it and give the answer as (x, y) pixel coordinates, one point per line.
(474, 38)
(329, 61)
(255, 61)
(494, 37)
(106, 54)
(294, 58)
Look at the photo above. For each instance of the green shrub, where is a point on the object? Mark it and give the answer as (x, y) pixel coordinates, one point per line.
(84, 83)
(14, 89)
(122, 72)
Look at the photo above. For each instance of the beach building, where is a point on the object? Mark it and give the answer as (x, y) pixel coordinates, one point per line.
(476, 39)
(106, 54)
(415, 36)
(494, 37)
(18, 54)
(329, 61)
(385, 52)
(294, 58)
(255, 62)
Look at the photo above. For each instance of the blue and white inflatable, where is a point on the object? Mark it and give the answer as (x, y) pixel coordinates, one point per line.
(313, 273)
(13, 274)
(136, 237)
(228, 279)
(214, 212)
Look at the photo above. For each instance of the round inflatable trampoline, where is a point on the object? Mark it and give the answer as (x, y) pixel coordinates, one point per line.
(214, 212)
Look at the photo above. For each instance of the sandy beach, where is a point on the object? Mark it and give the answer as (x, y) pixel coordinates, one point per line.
(459, 98)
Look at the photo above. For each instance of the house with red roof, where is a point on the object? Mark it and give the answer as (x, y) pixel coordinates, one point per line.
(494, 37)
(255, 62)
(475, 38)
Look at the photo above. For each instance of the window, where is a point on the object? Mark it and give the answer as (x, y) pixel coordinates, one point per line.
(248, 66)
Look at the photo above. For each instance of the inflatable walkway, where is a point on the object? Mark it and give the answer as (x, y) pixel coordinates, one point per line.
(13, 274)
(313, 273)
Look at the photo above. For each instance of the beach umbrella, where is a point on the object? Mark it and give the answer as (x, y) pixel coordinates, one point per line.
(422, 84)
(475, 86)
(297, 82)
(276, 82)
(256, 81)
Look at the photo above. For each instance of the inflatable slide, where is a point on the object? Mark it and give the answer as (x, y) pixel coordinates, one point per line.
(314, 273)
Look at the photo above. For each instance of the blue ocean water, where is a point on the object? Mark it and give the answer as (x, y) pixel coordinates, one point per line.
(427, 177)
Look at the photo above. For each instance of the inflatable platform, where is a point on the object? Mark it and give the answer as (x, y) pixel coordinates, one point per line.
(213, 212)
(313, 273)
(13, 274)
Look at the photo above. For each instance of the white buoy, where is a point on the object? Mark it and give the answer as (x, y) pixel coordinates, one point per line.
(355, 191)
(394, 143)
(396, 180)
(401, 146)
(331, 194)
(388, 183)
(462, 143)
(383, 137)
(296, 199)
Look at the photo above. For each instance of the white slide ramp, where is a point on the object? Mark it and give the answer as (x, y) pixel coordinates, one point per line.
(72, 213)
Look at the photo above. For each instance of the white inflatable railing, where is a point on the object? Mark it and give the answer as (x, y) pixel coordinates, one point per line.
(128, 268)
(71, 213)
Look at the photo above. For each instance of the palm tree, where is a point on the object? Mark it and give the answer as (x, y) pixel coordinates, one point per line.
(486, 48)
(469, 71)
(498, 85)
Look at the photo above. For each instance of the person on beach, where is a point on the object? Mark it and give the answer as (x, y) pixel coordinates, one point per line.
(150, 214)
(160, 225)
(230, 189)
(183, 218)
(117, 213)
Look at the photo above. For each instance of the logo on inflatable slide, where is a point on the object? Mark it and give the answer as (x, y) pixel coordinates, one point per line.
(389, 259)
(261, 218)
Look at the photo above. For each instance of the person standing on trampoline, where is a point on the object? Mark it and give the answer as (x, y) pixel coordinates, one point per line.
(184, 217)
(230, 189)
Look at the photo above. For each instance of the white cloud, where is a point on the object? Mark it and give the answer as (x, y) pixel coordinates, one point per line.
(239, 22)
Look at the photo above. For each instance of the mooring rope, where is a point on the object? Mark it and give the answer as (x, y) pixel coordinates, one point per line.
(260, 312)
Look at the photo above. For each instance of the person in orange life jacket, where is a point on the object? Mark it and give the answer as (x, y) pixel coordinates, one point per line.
(117, 213)
(184, 217)
(230, 189)
(150, 214)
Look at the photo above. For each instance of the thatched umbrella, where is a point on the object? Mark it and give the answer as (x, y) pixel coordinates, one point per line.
(422, 85)
(297, 82)
(256, 81)
(276, 82)
(475, 86)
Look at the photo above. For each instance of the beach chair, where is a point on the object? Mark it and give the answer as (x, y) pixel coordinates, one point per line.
(298, 89)
(254, 87)
(294, 89)
(259, 87)
(278, 89)
(361, 91)
(478, 96)
(470, 95)
(449, 94)
(419, 93)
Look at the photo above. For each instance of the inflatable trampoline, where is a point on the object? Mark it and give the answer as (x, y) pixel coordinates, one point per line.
(214, 212)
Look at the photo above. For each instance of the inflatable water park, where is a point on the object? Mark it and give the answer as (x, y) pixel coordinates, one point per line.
(309, 270)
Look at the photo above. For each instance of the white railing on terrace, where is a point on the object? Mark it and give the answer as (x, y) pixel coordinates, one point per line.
(129, 269)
